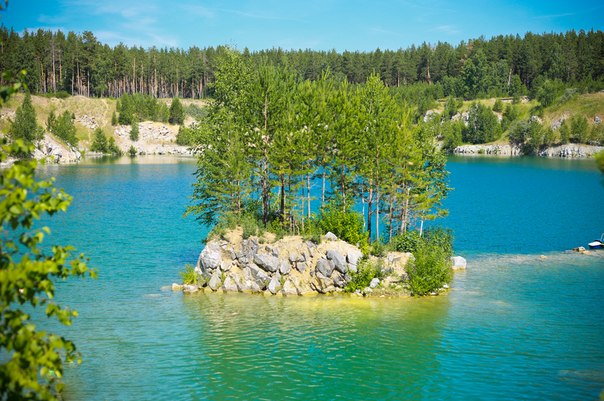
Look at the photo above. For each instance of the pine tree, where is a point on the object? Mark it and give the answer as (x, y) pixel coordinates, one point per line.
(177, 113)
(25, 125)
(134, 132)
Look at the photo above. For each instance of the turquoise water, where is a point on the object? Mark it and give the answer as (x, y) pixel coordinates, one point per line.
(514, 326)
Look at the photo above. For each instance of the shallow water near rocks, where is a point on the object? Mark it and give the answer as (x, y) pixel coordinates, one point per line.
(515, 325)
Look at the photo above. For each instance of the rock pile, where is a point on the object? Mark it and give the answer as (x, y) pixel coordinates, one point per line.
(290, 266)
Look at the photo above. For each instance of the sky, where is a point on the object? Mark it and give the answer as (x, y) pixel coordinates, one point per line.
(311, 24)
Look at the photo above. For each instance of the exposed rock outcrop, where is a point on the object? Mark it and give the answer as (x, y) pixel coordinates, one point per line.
(491, 150)
(290, 266)
(568, 151)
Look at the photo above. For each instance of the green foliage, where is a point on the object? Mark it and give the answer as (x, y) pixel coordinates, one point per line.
(451, 107)
(196, 111)
(344, 223)
(177, 112)
(32, 361)
(134, 132)
(510, 114)
(406, 242)
(188, 275)
(483, 125)
(597, 134)
(57, 95)
(430, 268)
(564, 132)
(138, 107)
(187, 136)
(579, 129)
(441, 238)
(366, 271)
(25, 126)
(498, 106)
(599, 157)
(132, 152)
(529, 135)
(114, 119)
(549, 92)
(452, 135)
(63, 127)
(101, 144)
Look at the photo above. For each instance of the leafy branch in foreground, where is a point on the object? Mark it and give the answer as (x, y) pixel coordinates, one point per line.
(32, 360)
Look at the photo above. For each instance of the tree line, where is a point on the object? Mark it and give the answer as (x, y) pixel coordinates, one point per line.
(501, 66)
(270, 137)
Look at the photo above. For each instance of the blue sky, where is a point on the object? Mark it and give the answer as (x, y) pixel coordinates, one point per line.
(315, 24)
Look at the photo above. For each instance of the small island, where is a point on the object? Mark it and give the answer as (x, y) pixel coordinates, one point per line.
(293, 266)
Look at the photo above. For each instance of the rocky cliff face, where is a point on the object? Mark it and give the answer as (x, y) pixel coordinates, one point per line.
(290, 266)
(568, 151)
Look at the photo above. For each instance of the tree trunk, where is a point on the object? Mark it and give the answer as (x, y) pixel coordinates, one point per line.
(369, 212)
(323, 189)
(308, 193)
(282, 205)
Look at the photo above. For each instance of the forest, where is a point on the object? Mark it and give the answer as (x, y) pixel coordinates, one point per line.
(78, 64)
(269, 138)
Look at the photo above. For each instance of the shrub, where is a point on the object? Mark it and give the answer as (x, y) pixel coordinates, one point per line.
(430, 269)
(114, 119)
(405, 242)
(25, 125)
(483, 125)
(597, 134)
(498, 106)
(132, 151)
(187, 136)
(452, 135)
(600, 160)
(564, 132)
(510, 114)
(103, 145)
(177, 112)
(134, 131)
(440, 237)
(344, 223)
(63, 127)
(366, 271)
(579, 129)
(188, 275)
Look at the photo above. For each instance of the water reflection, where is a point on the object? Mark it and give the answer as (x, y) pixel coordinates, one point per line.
(256, 347)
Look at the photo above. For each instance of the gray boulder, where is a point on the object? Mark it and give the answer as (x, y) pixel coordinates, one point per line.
(325, 267)
(301, 266)
(249, 248)
(339, 261)
(267, 262)
(330, 237)
(274, 286)
(230, 284)
(211, 257)
(374, 282)
(285, 267)
(215, 281)
(289, 287)
(339, 280)
(353, 257)
(459, 263)
(190, 288)
(322, 284)
(257, 275)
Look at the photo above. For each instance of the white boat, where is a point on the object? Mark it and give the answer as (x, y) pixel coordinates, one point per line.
(599, 243)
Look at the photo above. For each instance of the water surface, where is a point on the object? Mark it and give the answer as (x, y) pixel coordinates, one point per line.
(514, 326)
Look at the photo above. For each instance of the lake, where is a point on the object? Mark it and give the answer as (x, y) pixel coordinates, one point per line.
(524, 322)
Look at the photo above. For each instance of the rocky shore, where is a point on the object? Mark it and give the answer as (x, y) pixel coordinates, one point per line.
(293, 266)
(568, 151)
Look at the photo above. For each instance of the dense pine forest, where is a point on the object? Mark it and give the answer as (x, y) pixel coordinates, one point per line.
(79, 64)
